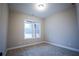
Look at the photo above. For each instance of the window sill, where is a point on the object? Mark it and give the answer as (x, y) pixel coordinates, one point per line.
(31, 38)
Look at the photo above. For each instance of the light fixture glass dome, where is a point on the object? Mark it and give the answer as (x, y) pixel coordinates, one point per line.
(41, 6)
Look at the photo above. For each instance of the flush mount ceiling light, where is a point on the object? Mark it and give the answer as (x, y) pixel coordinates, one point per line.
(41, 6)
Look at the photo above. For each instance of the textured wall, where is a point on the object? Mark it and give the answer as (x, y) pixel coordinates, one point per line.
(3, 27)
(16, 29)
(61, 28)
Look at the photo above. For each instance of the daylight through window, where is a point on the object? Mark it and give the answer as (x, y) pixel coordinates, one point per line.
(31, 29)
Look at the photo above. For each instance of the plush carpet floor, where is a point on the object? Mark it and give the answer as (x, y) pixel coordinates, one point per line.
(41, 50)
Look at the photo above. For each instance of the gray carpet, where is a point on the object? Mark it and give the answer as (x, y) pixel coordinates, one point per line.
(41, 50)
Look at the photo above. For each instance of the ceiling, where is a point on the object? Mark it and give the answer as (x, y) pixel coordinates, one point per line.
(29, 8)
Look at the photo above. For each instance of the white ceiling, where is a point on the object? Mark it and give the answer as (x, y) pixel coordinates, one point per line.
(29, 8)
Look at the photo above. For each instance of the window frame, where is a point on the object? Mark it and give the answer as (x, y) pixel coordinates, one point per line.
(33, 30)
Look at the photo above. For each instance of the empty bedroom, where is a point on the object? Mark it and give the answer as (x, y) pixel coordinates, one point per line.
(39, 29)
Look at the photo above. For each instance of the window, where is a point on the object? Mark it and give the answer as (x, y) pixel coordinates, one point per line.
(31, 29)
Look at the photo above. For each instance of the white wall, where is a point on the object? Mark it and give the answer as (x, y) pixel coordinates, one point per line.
(3, 27)
(61, 28)
(16, 29)
(77, 13)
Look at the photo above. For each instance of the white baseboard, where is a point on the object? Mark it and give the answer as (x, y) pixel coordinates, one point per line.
(5, 53)
(62, 46)
(25, 45)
